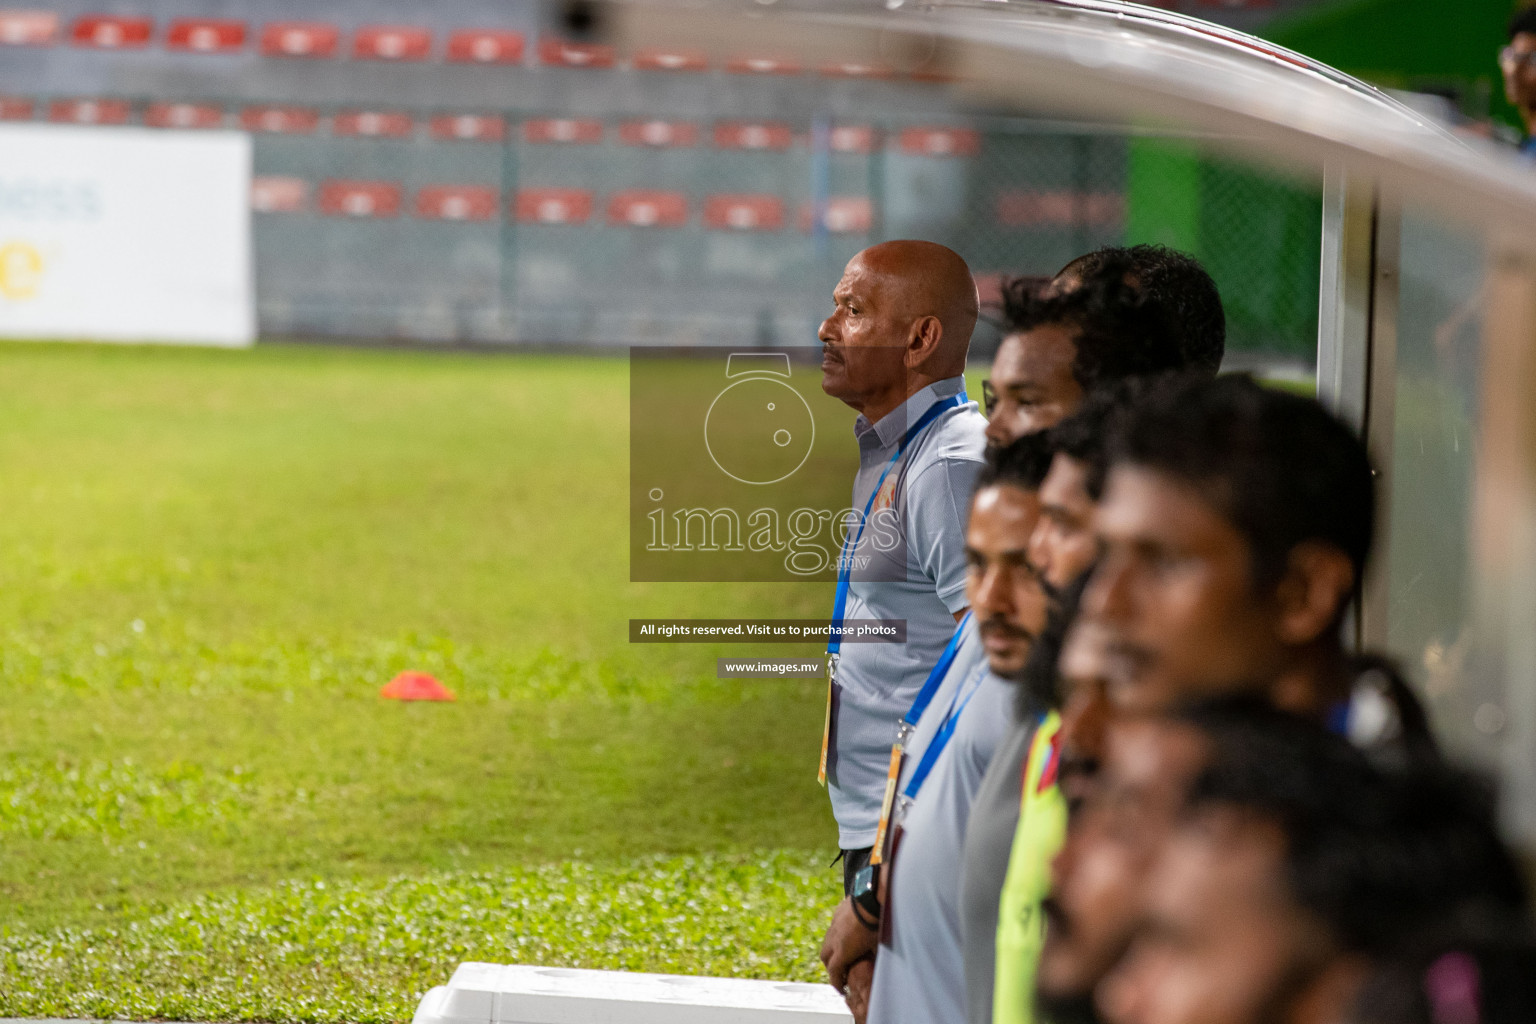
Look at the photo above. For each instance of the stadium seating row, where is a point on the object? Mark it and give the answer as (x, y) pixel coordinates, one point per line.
(401, 43)
(570, 206)
(938, 141)
(325, 40)
(852, 215)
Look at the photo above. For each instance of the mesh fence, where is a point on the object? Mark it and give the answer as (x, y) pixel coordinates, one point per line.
(1260, 237)
(670, 231)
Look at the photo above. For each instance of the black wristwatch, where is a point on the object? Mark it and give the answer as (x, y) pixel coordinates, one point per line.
(866, 894)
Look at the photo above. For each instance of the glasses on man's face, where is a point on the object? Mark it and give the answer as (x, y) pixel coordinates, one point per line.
(988, 397)
(1512, 60)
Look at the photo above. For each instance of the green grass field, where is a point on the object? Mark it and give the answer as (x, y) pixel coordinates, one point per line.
(209, 564)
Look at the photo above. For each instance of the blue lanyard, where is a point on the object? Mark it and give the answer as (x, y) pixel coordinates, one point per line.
(941, 738)
(1337, 720)
(845, 560)
(935, 678)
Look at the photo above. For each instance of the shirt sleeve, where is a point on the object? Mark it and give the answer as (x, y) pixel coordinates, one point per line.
(938, 500)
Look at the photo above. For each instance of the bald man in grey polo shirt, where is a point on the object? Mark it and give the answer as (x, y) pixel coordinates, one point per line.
(894, 350)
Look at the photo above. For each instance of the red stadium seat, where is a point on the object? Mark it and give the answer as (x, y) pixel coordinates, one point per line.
(378, 124)
(183, 115)
(851, 138)
(762, 66)
(671, 60)
(744, 212)
(346, 198)
(468, 128)
(940, 141)
(553, 206)
(844, 215)
(206, 35)
(850, 69)
(28, 28)
(659, 133)
(109, 32)
(280, 120)
(932, 77)
(1024, 208)
(300, 39)
(753, 135)
(646, 208)
(278, 193)
(562, 54)
(458, 202)
(89, 111)
(485, 46)
(562, 129)
(15, 108)
(392, 42)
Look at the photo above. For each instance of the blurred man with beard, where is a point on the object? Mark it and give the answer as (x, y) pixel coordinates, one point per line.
(1236, 523)
(918, 971)
(1000, 935)
(1295, 869)
(1103, 330)
(1117, 830)
(1108, 318)
(1065, 547)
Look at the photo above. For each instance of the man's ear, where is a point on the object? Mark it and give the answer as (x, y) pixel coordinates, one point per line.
(923, 341)
(1319, 579)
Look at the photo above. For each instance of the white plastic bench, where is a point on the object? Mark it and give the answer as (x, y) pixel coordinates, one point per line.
(518, 994)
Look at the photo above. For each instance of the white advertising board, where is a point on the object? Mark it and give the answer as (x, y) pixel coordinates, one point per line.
(124, 234)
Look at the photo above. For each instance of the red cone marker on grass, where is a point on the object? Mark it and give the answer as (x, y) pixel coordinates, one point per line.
(415, 686)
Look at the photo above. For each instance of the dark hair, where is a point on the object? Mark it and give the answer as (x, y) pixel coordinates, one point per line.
(1022, 464)
(1375, 854)
(1177, 283)
(1523, 22)
(1408, 737)
(1280, 467)
(1040, 679)
(1119, 333)
(1084, 436)
(1480, 967)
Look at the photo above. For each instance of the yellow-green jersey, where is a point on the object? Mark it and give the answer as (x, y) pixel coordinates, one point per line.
(1020, 923)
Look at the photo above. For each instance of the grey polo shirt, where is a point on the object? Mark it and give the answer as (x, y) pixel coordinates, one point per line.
(984, 862)
(920, 975)
(922, 582)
